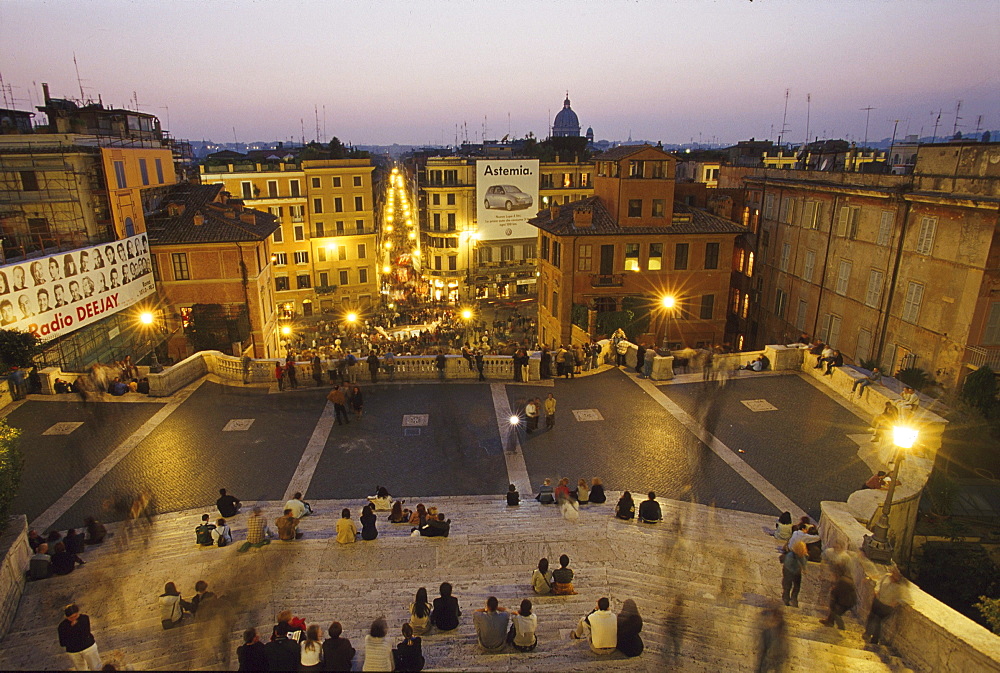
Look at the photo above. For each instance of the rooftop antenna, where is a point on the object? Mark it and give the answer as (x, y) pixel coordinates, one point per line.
(302, 130)
(958, 108)
(4, 89)
(979, 125)
(936, 122)
(868, 114)
(79, 81)
(508, 124)
(235, 141)
(892, 143)
(809, 98)
(167, 108)
(316, 113)
(784, 119)
(324, 122)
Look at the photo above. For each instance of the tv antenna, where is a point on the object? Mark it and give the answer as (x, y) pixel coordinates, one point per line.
(936, 122)
(809, 98)
(784, 120)
(79, 81)
(958, 108)
(868, 114)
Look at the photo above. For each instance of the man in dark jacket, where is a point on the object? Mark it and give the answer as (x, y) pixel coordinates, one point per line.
(439, 528)
(649, 510)
(252, 654)
(373, 364)
(282, 654)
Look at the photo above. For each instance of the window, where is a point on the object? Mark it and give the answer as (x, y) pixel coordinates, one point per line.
(29, 181)
(784, 214)
(655, 261)
(780, 300)
(301, 256)
(277, 211)
(342, 252)
(435, 199)
(863, 351)
(318, 206)
(451, 199)
(681, 256)
(506, 253)
(436, 222)
(452, 262)
(848, 225)
(485, 255)
(555, 301)
(874, 294)
(631, 256)
(884, 228)
(344, 278)
(800, 315)
(321, 255)
(277, 236)
(584, 179)
(281, 283)
(294, 185)
(359, 203)
(925, 239)
(340, 227)
(556, 253)
(746, 304)
(635, 207)
(991, 334)
(843, 276)
(437, 262)
(749, 270)
(911, 303)
(545, 248)
(786, 254)
(120, 175)
(180, 260)
(707, 306)
(769, 207)
(363, 275)
(528, 251)
(299, 232)
(272, 188)
(338, 204)
(316, 183)
(302, 281)
(659, 207)
(280, 258)
(357, 180)
(298, 213)
(585, 258)
(362, 251)
(451, 221)
(143, 171)
(324, 279)
(810, 265)
(712, 256)
(810, 216)
(359, 226)
(736, 301)
(320, 230)
(159, 170)
(336, 181)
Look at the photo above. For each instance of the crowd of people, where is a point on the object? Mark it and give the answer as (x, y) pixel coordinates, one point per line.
(59, 554)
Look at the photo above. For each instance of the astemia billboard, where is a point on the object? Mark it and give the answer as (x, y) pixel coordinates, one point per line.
(54, 295)
(506, 198)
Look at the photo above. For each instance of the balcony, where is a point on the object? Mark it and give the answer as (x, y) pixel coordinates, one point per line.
(980, 356)
(607, 279)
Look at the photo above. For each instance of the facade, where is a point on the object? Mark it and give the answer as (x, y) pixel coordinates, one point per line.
(210, 251)
(628, 247)
(901, 271)
(325, 250)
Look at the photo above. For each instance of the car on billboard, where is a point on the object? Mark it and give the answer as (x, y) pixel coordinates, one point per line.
(507, 197)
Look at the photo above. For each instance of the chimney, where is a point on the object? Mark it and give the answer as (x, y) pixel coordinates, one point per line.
(223, 197)
(553, 212)
(199, 219)
(248, 216)
(583, 217)
(45, 93)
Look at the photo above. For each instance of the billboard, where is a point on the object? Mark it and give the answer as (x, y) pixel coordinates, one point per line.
(54, 295)
(506, 198)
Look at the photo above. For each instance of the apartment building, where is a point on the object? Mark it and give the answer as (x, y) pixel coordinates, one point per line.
(898, 270)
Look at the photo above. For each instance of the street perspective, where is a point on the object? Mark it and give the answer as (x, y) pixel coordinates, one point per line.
(529, 337)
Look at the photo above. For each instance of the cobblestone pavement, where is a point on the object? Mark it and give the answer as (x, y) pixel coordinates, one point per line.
(638, 446)
(802, 446)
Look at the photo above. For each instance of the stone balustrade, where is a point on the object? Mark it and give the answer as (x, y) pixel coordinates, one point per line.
(16, 552)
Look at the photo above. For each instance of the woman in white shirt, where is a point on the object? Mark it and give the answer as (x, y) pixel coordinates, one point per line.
(312, 649)
(541, 579)
(378, 649)
(420, 613)
(525, 623)
(222, 534)
(171, 606)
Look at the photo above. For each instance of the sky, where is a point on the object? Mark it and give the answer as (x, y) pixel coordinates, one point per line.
(414, 71)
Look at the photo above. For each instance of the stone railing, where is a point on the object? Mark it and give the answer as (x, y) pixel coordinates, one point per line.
(926, 633)
(16, 552)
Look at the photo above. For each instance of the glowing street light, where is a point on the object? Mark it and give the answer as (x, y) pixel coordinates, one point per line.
(352, 317)
(466, 314)
(514, 420)
(286, 330)
(668, 301)
(877, 546)
(146, 318)
(387, 269)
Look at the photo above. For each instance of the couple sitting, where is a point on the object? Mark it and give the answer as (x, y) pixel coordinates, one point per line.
(758, 364)
(557, 582)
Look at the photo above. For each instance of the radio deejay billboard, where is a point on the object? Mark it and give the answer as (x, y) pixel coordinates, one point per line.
(506, 198)
(54, 295)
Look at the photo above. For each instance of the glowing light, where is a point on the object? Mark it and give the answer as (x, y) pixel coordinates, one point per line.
(388, 227)
(352, 317)
(466, 314)
(412, 235)
(514, 420)
(668, 301)
(903, 436)
(395, 171)
(286, 330)
(388, 245)
(146, 318)
(386, 269)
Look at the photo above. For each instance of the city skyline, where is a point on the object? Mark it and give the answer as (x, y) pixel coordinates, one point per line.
(431, 72)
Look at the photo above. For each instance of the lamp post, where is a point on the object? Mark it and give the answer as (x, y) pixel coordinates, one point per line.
(466, 317)
(668, 302)
(877, 546)
(147, 319)
(515, 423)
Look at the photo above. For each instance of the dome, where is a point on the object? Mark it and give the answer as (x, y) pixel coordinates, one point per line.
(566, 122)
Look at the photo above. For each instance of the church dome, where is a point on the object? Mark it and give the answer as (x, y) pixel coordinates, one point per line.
(566, 122)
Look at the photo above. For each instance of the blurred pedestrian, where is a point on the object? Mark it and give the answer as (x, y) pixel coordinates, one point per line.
(771, 656)
(793, 562)
(890, 591)
(550, 412)
(290, 373)
(843, 597)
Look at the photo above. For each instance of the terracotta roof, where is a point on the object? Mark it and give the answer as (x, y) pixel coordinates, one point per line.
(173, 221)
(604, 223)
(622, 151)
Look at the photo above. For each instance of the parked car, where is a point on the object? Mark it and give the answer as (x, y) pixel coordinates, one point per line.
(507, 197)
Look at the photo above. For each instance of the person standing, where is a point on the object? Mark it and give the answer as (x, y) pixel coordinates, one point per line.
(336, 397)
(373, 364)
(317, 372)
(75, 636)
(843, 597)
(440, 362)
(480, 364)
(569, 363)
(640, 358)
(389, 362)
(889, 593)
(550, 412)
(531, 412)
(279, 375)
(792, 565)
(290, 373)
(621, 350)
(545, 364)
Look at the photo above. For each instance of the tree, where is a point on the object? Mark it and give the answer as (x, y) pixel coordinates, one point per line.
(980, 390)
(11, 466)
(18, 349)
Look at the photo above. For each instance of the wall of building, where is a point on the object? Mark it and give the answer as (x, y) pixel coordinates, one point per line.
(126, 172)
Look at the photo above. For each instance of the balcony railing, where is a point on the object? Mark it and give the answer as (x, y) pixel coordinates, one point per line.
(607, 279)
(984, 356)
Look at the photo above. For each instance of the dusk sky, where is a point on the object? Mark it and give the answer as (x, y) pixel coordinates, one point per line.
(409, 71)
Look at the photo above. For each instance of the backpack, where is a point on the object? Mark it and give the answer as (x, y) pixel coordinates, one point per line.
(351, 360)
(222, 540)
(203, 534)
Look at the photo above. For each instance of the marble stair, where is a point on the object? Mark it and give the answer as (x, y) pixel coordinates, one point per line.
(720, 561)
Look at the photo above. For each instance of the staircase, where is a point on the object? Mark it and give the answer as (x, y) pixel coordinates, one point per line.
(720, 561)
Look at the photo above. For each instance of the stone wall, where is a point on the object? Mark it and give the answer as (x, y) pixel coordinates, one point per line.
(16, 552)
(926, 633)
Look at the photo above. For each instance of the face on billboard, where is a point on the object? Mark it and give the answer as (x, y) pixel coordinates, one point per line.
(55, 295)
(506, 198)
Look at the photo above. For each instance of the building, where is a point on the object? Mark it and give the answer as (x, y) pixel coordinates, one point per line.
(898, 270)
(212, 264)
(627, 248)
(78, 182)
(325, 250)
(566, 122)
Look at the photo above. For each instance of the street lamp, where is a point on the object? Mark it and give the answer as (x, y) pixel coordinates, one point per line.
(515, 422)
(147, 318)
(877, 546)
(668, 302)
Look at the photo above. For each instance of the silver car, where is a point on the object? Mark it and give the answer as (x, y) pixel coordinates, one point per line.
(507, 197)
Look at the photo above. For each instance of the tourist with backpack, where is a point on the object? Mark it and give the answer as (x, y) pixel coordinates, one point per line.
(222, 534)
(203, 532)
